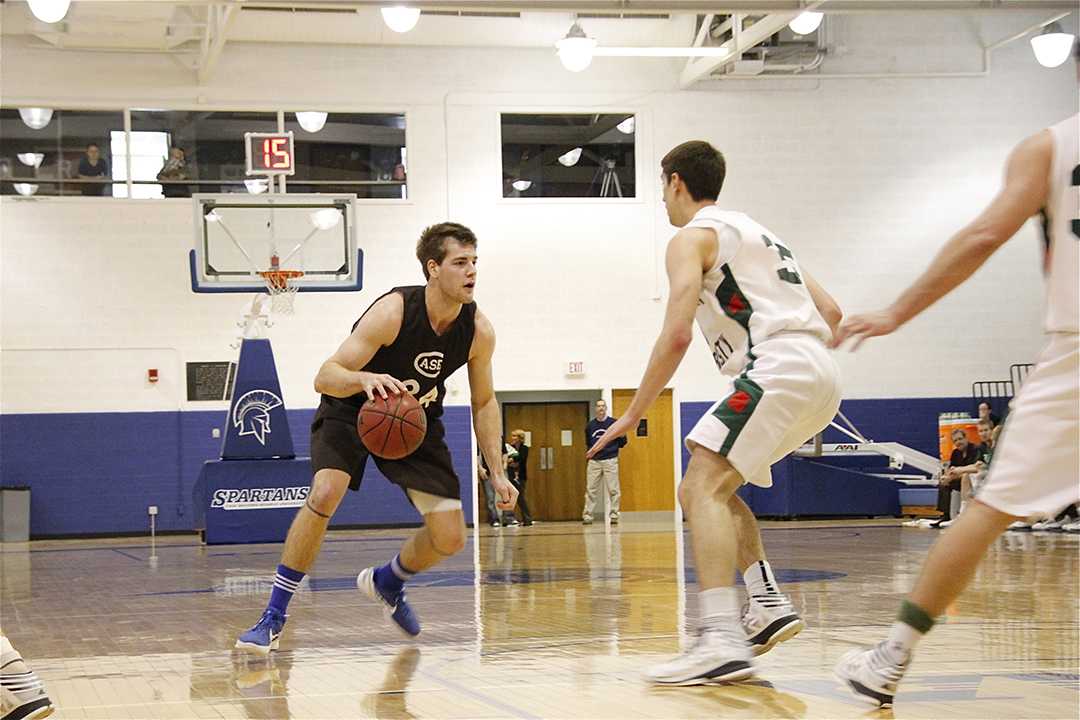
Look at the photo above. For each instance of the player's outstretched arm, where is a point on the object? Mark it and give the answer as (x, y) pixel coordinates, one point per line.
(685, 262)
(823, 301)
(485, 409)
(1027, 184)
(340, 376)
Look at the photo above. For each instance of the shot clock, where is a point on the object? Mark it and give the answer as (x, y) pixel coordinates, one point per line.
(269, 153)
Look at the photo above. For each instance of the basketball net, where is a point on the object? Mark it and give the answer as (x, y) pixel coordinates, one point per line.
(282, 287)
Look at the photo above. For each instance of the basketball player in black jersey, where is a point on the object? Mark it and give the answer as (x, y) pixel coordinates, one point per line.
(410, 340)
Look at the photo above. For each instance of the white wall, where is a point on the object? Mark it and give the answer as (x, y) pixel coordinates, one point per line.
(864, 179)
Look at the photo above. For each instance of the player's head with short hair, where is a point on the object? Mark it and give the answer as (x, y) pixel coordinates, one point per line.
(693, 173)
(447, 254)
(432, 244)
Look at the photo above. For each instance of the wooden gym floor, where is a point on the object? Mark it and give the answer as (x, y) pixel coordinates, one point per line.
(556, 620)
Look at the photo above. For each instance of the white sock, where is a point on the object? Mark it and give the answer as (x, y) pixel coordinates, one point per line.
(719, 607)
(902, 641)
(759, 579)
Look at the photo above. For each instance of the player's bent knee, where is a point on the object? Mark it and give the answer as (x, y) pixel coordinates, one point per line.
(327, 489)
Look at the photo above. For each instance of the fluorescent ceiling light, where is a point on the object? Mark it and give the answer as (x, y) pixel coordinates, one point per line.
(570, 158)
(626, 127)
(576, 49)
(660, 52)
(806, 23)
(49, 11)
(400, 19)
(312, 121)
(326, 218)
(36, 118)
(1052, 46)
(32, 159)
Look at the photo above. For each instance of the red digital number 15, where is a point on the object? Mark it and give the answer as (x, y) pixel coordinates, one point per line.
(274, 153)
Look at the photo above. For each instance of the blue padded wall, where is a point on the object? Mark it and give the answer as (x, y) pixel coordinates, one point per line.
(96, 473)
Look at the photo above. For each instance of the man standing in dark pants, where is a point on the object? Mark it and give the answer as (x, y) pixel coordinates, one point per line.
(518, 472)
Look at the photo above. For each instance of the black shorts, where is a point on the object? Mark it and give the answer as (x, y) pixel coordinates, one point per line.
(336, 444)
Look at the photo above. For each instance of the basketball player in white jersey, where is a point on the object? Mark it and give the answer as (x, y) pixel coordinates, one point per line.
(1036, 461)
(767, 324)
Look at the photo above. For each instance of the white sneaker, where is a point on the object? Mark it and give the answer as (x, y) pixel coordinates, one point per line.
(22, 696)
(872, 675)
(1019, 525)
(715, 656)
(1073, 526)
(1046, 525)
(769, 620)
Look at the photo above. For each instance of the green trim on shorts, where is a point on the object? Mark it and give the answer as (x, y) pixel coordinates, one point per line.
(914, 616)
(735, 410)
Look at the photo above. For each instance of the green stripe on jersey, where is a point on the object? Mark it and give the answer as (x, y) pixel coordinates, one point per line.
(736, 409)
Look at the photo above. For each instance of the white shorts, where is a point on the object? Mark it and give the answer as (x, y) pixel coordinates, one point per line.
(790, 392)
(1036, 464)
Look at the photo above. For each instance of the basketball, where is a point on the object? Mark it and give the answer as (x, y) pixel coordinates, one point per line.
(392, 428)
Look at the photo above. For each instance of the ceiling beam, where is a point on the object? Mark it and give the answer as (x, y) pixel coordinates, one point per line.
(743, 39)
(758, 7)
(213, 42)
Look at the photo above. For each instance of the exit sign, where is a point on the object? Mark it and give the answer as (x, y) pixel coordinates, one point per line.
(575, 368)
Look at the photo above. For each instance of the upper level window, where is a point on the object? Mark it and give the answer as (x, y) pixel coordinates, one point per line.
(568, 155)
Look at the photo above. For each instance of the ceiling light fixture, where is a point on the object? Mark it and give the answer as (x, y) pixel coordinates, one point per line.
(570, 158)
(254, 186)
(399, 18)
(626, 127)
(31, 159)
(36, 118)
(1052, 46)
(312, 121)
(576, 49)
(49, 11)
(326, 218)
(806, 22)
(25, 189)
(521, 185)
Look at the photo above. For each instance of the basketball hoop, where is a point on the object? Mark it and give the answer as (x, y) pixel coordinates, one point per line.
(282, 287)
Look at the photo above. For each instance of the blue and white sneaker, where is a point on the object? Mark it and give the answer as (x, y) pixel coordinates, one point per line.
(396, 607)
(266, 634)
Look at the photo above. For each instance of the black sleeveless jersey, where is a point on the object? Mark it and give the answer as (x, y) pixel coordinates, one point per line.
(417, 357)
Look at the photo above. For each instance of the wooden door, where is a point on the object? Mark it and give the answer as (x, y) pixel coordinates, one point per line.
(646, 464)
(556, 486)
(565, 478)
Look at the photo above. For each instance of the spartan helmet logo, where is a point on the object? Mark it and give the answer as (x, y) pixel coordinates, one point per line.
(252, 413)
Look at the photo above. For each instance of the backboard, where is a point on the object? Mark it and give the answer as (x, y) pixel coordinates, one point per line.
(238, 236)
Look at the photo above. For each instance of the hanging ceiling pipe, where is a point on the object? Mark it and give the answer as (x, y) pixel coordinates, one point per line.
(984, 72)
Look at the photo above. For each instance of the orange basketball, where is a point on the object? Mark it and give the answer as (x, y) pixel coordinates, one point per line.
(392, 428)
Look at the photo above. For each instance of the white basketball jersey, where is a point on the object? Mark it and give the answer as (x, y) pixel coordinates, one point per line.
(752, 292)
(1062, 228)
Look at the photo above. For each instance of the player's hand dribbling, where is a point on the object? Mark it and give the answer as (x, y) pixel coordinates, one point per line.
(381, 383)
(861, 327)
(506, 492)
(618, 428)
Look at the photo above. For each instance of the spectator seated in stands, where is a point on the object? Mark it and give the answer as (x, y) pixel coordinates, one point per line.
(174, 170)
(985, 415)
(972, 476)
(961, 463)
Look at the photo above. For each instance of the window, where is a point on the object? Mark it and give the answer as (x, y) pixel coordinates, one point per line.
(58, 152)
(352, 152)
(568, 155)
(209, 155)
